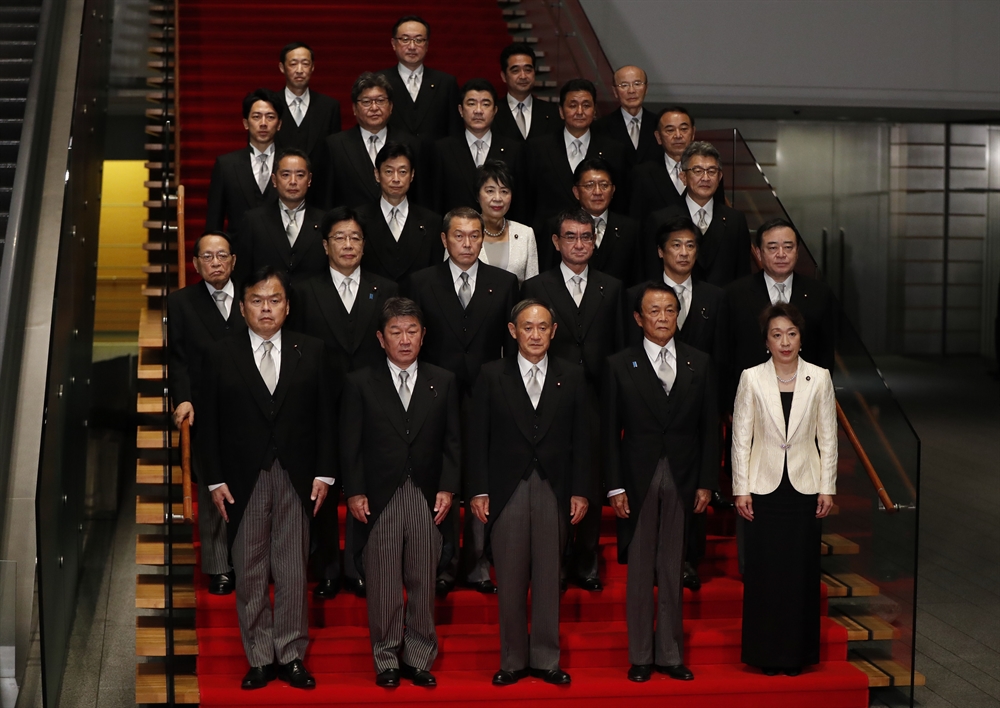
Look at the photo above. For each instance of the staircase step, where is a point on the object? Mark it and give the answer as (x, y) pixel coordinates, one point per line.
(149, 549)
(151, 437)
(883, 673)
(150, 593)
(147, 473)
(151, 637)
(151, 404)
(848, 585)
(152, 510)
(151, 685)
(833, 544)
(863, 627)
(151, 324)
(160, 246)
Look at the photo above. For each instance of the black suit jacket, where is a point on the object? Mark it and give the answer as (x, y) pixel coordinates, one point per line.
(641, 423)
(419, 244)
(322, 119)
(262, 241)
(434, 115)
(349, 337)
(704, 328)
(652, 189)
(455, 173)
(381, 443)
(618, 255)
(747, 298)
(544, 119)
(588, 334)
(613, 125)
(244, 428)
(233, 191)
(508, 438)
(458, 340)
(723, 250)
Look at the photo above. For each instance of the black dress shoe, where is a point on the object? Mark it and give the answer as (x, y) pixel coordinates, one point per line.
(259, 676)
(443, 587)
(691, 579)
(355, 585)
(508, 678)
(720, 502)
(769, 671)
(294, 673)
(679, 672)
(388, 678)
(640, 672)
(557, 677)
(418, 676)
(486, 587)
(591, 584)
(793, 672)
(326, 589)
(222, 584)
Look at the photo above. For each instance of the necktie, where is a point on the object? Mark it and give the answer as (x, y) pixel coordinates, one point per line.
(297, 110)
(347, 293)
(262, 175)
(292, 230)
(413, 86)
(394, 226)
(781, 292)
(533, 388)
(682, 296)
(664, 372)
(522, 124)
(372, 147)
(220, 302)
(480, 152)
(267, 370)
(404, 389)
(633, 132)
(577, 289)
(702, 224)
(675, 175)
(599, 227)
(575, 153)
(464, 292)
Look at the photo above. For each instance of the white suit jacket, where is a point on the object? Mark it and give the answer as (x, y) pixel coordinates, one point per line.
(522, 255)
(759, 440)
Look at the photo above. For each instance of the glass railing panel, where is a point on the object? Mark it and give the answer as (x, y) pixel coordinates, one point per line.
(8, 609)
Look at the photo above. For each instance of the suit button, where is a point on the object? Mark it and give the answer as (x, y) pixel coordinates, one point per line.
(464, 329)
(407, 431)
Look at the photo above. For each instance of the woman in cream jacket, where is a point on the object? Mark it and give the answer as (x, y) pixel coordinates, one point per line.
(506, 244)
(784, 478)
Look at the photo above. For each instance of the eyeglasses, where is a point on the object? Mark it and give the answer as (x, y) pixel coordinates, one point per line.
(341, 239)
(583, 238)
(624, 85)
(209, 257)
(591, 186)
(367, 102)
(699, 171)
(417, 41)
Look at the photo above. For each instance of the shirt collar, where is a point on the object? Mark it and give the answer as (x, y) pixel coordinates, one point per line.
(290, 97)
(512, 102)
(269, 151)
(394, 370)
(628, 116)
(603, 215)
(366, 135)
(686, 283)
(694, 206)
(525, 366)
(669, 162)
(569, 275)
(653, 351)
(471, 139)
(229, 289)
(404, 73)
(401, 211)
(456, 272)
(256, 340)
(339, 278)
(296, 210)
(584, 139)
(771, 282)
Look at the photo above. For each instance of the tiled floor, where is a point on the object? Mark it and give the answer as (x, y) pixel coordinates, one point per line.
(954, 405)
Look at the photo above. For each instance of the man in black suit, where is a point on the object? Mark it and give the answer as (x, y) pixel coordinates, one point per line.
(401, 237)
(340, 307)
(724, 248)
(657, 184)
(425, 98)
(587, 306)
(466, 304)
(241, 180)
(661, 445)
(523, 116)
(700, 324)
(269, 461)
(457, 158)
(528, 470)
(400, 451)
(309, 115)
(198, 316)
(346, 160)
(632, 125)
(552, 158)
(284, 234)
(616, 236)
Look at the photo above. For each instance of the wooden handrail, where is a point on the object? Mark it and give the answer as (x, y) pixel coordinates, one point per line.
(865, 462)
(181, 264)
(186, 470)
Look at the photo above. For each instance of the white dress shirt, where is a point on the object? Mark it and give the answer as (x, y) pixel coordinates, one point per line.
(338, 282)
(584, 147)
(456, 274)
(568, 276)
(675, 178)
(694, 206)
(627, 117)
(599, 237)
(255, 163)
(512, 102)
(299, 211)
(402, 211)
(394, 373)
(688, 291)
(772, 291)
(405, 73)
(487, 142)
(290, 100)
(230, 292)
(379, 142)
(525, 367)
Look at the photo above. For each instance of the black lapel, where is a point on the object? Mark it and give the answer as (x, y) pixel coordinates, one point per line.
(548, 404)
(425, 98)
(648, 384)
(384, 390)
(665, 185)
(481, 301)
(247, 180)
(593, 298)
(517, 397)
(275, 230)
(682, 379)
(204, 305)
(608, 244)
(562, 300)
(243, 357)
(411, 238)
(444, 290)
(711, 240)
(332, 307)
(364, 310)
(354, 146)
(290, 356)
(422, 399)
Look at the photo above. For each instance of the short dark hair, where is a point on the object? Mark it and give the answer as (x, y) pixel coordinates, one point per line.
(777, 223)
(495, 170)
(291, 152)
(368, 80)
(674, 109)
(399, 307)
(220, 234)
(411, 18)
(335, 216)
(261, 94)
(781, 309)
(292, 46)
(681, 223)
(653, 286)
(525, 304)
(598, 164)
(576, 215)
(515, 49)
(477, 85)
(392, 150)
(260, 275)
(461, 213)
(701, 149)
(577, 85)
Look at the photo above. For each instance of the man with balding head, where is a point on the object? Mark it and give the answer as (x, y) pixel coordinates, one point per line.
(658, 183)
(631, 125)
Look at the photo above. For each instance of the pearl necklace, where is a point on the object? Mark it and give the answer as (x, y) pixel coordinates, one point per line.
(499, 233)
(786, 381)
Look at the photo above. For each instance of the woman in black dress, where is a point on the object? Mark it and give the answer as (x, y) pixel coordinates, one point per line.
(784, 479)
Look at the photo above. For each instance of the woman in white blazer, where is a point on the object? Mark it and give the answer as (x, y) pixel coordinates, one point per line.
(784, 478)
(506, 244)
